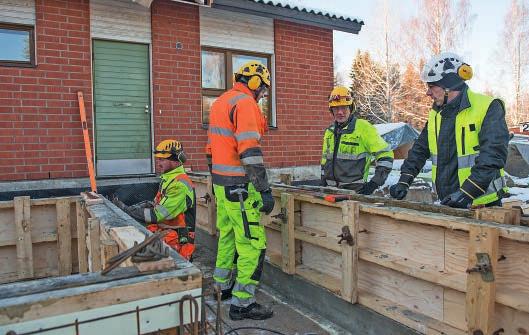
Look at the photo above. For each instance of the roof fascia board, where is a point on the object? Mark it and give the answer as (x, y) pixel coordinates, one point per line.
(287, 14)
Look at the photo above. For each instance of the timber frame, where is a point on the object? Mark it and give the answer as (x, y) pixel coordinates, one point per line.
(407, 264)
(52, 251)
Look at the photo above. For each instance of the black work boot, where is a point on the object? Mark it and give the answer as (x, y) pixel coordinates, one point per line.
(254, 311)
(225, 294)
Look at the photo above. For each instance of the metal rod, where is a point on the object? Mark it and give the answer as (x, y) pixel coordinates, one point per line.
(138, 319)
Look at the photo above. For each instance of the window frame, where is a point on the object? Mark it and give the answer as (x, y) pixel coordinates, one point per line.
(21, 27)
(228, 70)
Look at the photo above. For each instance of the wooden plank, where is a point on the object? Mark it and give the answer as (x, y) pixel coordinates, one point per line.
(518, 233)
(402, 314)
(109, 249)
(330, 243)
(319, 278)
(82, 252)
(350, 213)
(500, 215)
(94, 245)
(64, 237)
(287, 234)
(45, 237)
(481, 295)
(53, 201)
(23, 242)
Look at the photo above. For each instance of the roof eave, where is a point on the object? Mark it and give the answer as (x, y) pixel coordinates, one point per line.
(288, 14)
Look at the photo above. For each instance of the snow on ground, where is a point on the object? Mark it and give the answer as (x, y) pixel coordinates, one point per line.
(519, 193)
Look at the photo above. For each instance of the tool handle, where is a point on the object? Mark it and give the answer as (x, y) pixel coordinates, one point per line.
(336, 197)
(245, 223)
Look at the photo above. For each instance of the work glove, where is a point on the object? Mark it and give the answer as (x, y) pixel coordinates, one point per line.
(457, 199)
(399, 190)
(368, 188)
(268, 202)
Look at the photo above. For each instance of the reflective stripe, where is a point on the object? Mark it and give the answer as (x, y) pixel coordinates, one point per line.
(466, 161)
(386, 149)
(186, 183)
(221, 131)
(236, 99)
(242, 302)
(252, 160)
(387, 164)
(434, 159)
(222, 273)
(164, 211)
(228, 168)
(246, 135)
(351, 156)
(147, 215)
(248, 288)
(496, 185)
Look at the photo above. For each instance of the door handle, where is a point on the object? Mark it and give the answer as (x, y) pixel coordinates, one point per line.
(147, 109)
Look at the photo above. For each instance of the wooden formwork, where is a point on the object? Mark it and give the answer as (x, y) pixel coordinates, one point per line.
(69, 240)
(39, 238)
(407, 264)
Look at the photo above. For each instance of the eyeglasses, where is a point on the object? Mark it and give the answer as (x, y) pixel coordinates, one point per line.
(339, 97)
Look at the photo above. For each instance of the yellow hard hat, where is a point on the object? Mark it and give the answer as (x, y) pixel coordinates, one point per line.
(170, 149)
(256, 72)
(340, 96)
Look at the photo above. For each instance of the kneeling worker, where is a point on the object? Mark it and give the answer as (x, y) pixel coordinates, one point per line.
(350, 145)
(174, 207)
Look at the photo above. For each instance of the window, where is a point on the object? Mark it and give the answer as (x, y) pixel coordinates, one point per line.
(218, 65)
(18, 47)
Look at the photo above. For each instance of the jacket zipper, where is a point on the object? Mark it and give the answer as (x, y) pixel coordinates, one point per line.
(463, 141)
(337, 135)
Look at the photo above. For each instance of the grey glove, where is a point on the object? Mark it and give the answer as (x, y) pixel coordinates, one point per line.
(368, 188)
(268, 202)
(399, 190)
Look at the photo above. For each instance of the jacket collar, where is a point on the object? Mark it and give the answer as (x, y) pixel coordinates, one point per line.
(244, 89)
(171, 174)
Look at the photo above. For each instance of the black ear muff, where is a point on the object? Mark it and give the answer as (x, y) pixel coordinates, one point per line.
(465, 72)
(254, 83)
(181, 157)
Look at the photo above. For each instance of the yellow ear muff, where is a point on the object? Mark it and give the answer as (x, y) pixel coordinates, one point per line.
(254, 83)
(465, 72)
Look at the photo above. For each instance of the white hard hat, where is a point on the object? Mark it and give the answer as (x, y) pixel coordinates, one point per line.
(440, 66)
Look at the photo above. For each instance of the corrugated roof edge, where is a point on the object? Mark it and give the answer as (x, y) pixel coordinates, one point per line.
(310, 11)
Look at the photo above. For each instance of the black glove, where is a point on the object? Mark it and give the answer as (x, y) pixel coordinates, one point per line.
(268, 202)
(399, 190)
(368, 188)
(457, 199)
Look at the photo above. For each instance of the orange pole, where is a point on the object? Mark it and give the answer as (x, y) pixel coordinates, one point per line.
(87, 146)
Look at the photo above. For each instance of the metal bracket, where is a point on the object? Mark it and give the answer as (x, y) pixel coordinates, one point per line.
(282, 215)
(346, 236)
(483, 266)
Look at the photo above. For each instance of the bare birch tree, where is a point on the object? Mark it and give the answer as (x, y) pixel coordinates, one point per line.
(513, 53)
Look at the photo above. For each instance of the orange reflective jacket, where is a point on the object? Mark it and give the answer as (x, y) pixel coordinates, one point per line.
(236, 126)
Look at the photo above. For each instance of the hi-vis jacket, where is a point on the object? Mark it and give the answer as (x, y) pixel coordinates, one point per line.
(468, 125)
(236, 126)
(349, 150)
(174, 204)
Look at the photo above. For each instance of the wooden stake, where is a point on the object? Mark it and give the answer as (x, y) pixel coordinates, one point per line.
(64, 237)
(287, 234)
(109, 249)
(481, 295)
(82, 253)
(23, 234)
(499, 215)
(350, 214)
(94, 246)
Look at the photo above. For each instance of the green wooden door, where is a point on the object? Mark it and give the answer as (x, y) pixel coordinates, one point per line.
(122, 108)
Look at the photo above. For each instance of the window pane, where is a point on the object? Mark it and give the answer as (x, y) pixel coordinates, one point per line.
(206, 107)
(213, 70)
(15, 45)
(240, 60)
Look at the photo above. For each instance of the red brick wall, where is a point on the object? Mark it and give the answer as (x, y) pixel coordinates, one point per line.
(303, 79)
(176, 78)
(40, 133)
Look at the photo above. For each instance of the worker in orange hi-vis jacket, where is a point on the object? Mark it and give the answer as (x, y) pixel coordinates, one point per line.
(241, 189)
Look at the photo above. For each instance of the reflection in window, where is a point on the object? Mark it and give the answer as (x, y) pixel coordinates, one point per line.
(213, 70)
(206, 107)
(240, 60)
(17, 45)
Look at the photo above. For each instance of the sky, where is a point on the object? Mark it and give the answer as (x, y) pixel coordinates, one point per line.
(478, 48)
